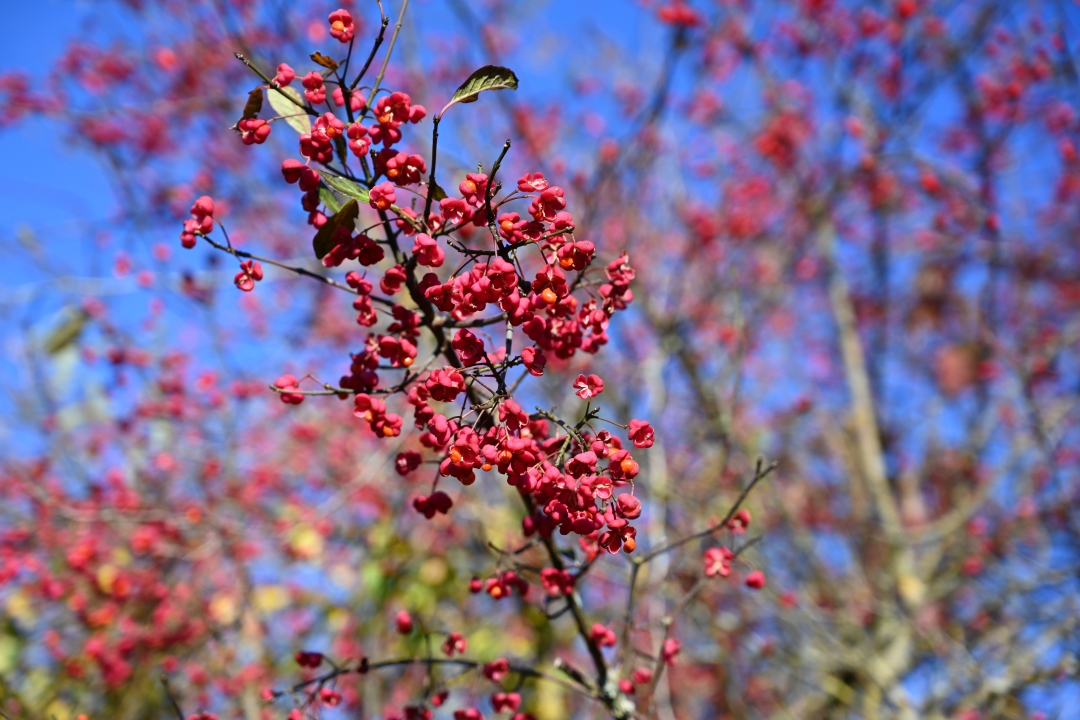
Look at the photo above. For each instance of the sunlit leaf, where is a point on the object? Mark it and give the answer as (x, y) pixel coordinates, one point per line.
(346, 187)
(330, 200)
(296, 116)
(489, 77)
(359, 193)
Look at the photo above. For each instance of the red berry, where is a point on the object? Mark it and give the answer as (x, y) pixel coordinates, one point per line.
(755, 580)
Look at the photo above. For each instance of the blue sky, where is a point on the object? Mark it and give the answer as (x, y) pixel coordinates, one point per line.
(62, 193)
(46, 184)
(58, 198)
(43, 183)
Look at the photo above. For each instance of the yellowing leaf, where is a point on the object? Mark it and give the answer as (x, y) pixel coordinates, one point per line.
(106, 576)
(292, 110)
(337, 620)
(550, 702)
(67, 332)
(306, 542)
(224, 609)
(270, 598)
(20, 607)
(58, 710)
(433, 571)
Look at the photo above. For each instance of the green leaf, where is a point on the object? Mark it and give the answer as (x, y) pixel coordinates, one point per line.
(345, 217)
(330, 200)
(489, 77)
(297, 117)
(359, 193)
(436, 191)
(253, 104)
(346, 187)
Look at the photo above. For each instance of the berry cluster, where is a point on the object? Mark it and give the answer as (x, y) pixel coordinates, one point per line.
(425, 281)
(531, 275)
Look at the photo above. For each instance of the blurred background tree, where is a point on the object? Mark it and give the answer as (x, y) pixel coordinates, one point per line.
(854, 227)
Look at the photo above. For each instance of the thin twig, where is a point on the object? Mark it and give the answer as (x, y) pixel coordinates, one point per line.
(292, 268)
(386, 60)
(759, 475)
(172, 698)
(431, 185)
(375, 48)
